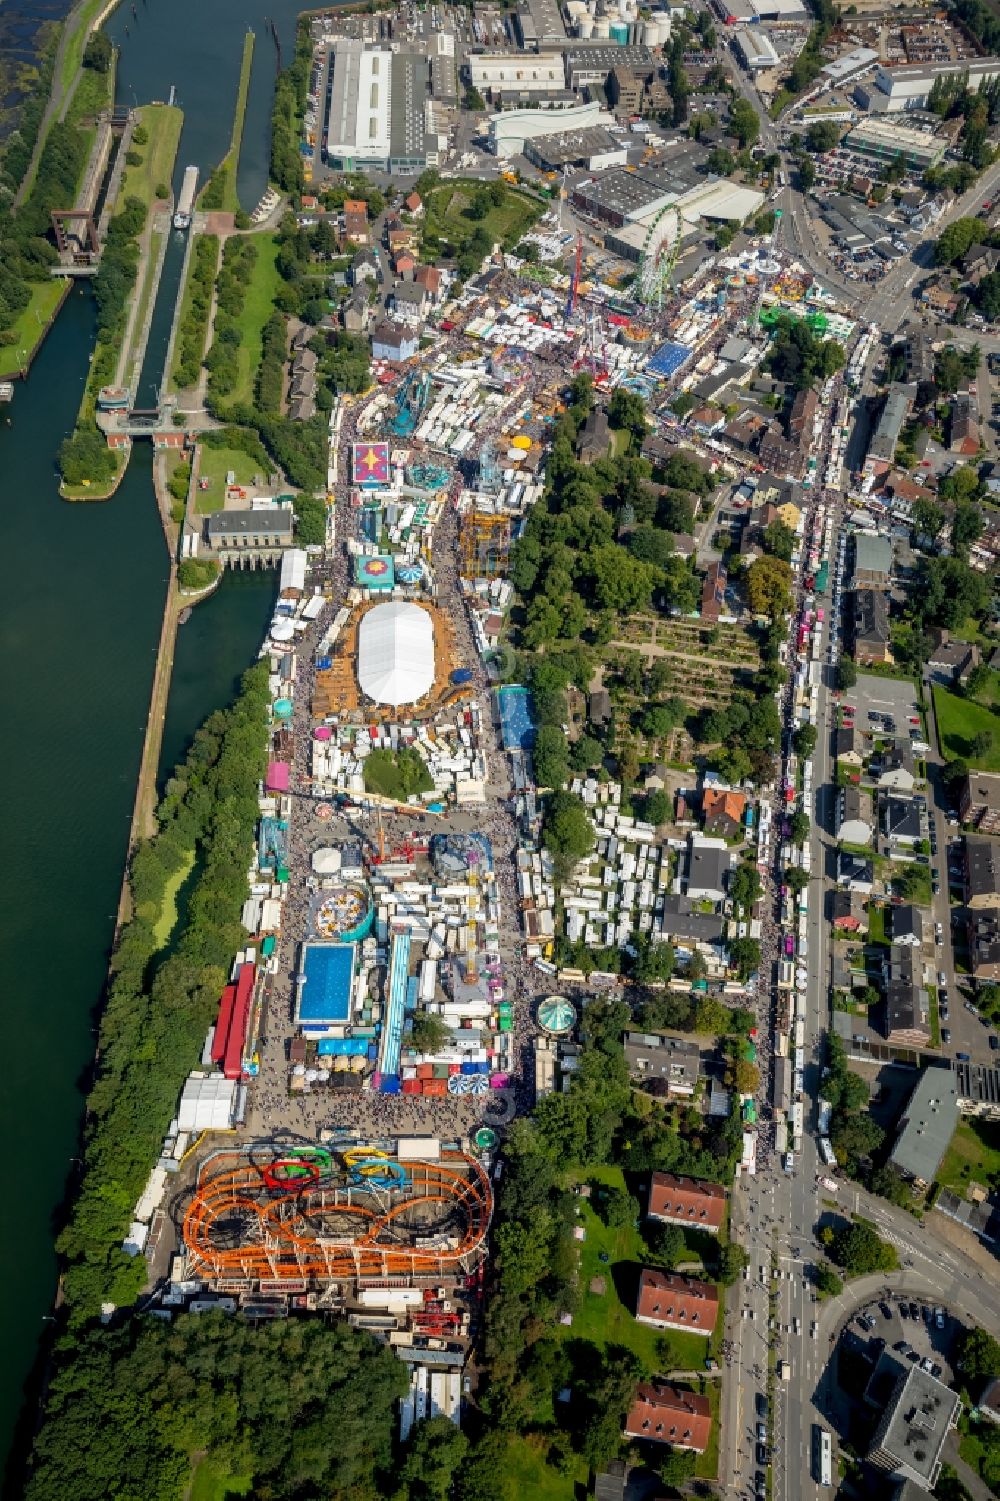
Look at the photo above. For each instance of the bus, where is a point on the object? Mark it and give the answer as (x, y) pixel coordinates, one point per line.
(823, 1456)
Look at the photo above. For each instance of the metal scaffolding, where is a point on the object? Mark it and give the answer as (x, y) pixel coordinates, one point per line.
(484, 544)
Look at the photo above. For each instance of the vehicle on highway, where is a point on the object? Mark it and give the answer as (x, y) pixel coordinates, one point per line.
(822, 1455)
(789, 1162)
(827, 1183)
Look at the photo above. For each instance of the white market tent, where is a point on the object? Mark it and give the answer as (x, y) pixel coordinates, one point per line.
(396, 653)
(207, 1104)
(293, 570)
(326, 861)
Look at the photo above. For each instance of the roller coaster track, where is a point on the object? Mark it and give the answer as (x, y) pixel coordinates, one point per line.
(287, 1229)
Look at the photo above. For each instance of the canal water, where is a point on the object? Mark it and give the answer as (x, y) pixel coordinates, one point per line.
(80, 607)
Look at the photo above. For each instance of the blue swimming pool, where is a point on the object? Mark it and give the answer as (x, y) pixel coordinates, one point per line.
(516, 724)
(323, 994)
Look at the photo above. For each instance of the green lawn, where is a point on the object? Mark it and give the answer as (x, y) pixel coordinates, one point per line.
(973, 1156)
(876, 924)
(93, 93)
(527, 1475)
(257, 308)
(446, 213)
(163, 123)
(246, 66)
(29, 325)
(608, 1318)
(959, 720)
(164, 925)
(208, 1484)
(214, 465)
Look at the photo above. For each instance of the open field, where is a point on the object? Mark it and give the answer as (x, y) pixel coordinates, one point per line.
(94, 92)
(526, 1473)
(972, 1157)
(164, 924)
(209, 1484)
(959, 720)
(27, 327)
(163, 123)
(214, 464)
(257, 308)
(446, 213)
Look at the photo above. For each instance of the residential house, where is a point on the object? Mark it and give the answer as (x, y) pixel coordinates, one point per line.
(707, 420)
(988, 1406)
(855, 824)
(661, 1061)
(687, 927)
(965, 436)
(855, 873)
(979, 801)
(982, 873)
(692, 1202)
(301, 337)
(982, 933)
(404, 264)
(979, 261)
(803, 416)
(302, 408)
(599, 707)
(723, 811)
(848, 913)
(907, 1003)
(745, 431)
(356, 228)
(781, 455)
(899, 822)
(713, 591)
(870, 627)
(394, 342)
(908, 925)
(872, 562)
(709, 867)
(668, 1415)
(366, 266)
(595, 437)
(897, 767)
(940, 298)
(669, 1301)
(303, 385)
(356, 312)
(432, 280)
(414, 205)
(849, 747)
(305, 363)
(409, 303)
(950, 661)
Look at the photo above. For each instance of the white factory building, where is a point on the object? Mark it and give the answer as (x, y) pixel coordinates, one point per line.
(377, 110)
(510, 130)
(754, 49)
(517, 72)
(893, 90)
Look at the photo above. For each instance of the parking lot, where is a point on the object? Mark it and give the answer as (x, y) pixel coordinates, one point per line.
(915, 1331)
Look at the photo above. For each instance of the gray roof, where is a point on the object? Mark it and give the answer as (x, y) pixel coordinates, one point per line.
(708, 868)
(272, 521)
(872, 554)
(871, 616)
(682, 920)
(409, 291)
(982, 860)
(927, 1125)
(915, 1424)
(908, 922)
(897, 405)
(900, 818)
(658, 1055)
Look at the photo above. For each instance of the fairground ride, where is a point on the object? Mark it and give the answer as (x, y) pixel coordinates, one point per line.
(273, 1214)
(660, 250)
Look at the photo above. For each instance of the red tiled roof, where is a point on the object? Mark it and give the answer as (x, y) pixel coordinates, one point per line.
(729, 804)
(677, 1302)
(667, 1415)
(688, 1201)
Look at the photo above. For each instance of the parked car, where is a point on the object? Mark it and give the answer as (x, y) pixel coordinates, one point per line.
(945, 1036)
(939, 1318)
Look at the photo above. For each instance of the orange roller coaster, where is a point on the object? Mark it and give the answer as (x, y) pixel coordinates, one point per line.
(241, 1224)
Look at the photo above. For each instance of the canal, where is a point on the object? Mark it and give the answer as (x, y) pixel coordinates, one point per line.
(80, 608)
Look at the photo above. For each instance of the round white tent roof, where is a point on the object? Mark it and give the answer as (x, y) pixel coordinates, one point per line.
(396, 653)
(326, 861)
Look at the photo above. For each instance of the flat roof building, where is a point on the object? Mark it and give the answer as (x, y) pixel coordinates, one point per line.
(907, 87)
(982, 872)
(754, 49)
(375, 113)
(927, 1126)
(881, 142)
(489, 72)
(657, 1057)
(586, 65)
(510, 131)
(914, 1425)
(594, 148)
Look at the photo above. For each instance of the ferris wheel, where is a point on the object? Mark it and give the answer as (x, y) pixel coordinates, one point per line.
(660, 250)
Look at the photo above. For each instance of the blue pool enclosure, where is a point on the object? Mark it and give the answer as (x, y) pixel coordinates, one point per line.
(667, 360)
(516, 724)
(324, 985)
